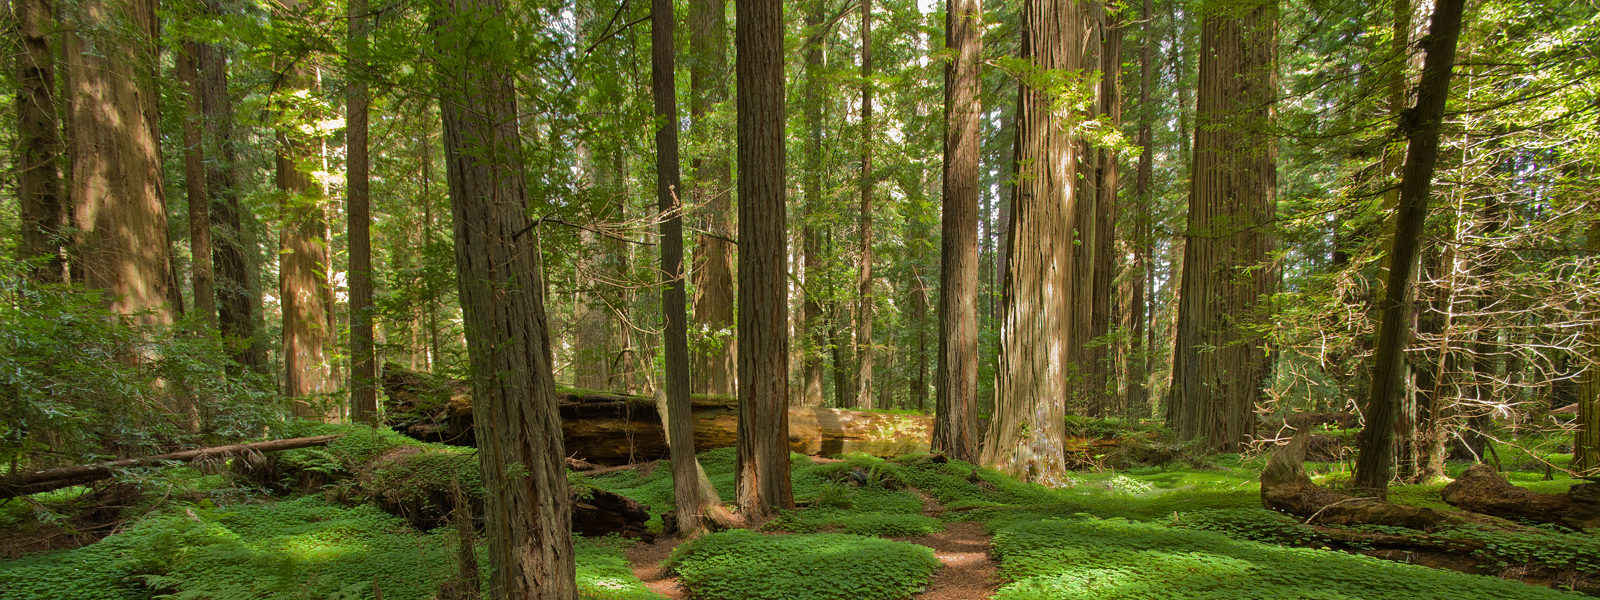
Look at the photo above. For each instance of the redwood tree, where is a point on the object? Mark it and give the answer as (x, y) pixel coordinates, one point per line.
(358, 226)
(955, 427)
(528, 511)
(713, 189)
(762, 469)
(39, 147)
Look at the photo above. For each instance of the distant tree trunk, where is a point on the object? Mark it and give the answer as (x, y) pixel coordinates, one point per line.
(1374, 462)
(236, 288)
(680, 420)
(1218, 365)
(919, 316)
(713, 275)
(363, 361)
(839, 343)
(1085, 218)
(1027, 426)
(762, 470)
(955, 431)
(119, 204)
(1586, 444)
(811, 311)
(194, 174)
(1137, 401)
(1486, 346)
(1101, 380)
(302, 278)
(527, 508)
(864, 307)
(39, 147)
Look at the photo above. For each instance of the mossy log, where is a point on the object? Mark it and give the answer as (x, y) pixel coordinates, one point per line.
(607, 428)
(22, 484)
(1480, 489)
(1285, 487)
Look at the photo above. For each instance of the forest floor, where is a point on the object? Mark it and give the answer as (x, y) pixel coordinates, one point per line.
(913, 527)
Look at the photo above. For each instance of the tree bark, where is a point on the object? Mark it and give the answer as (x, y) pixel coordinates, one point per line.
(1101, 380)
(762, 469)
(1218, 364)
(956, 378)
(1028, 422)
(358, 232)
(1421, 126)
(815, 331)
(1586, 444)
(528, 509)
(1137, 401)
(236, 287)
(302, 278)
(194, 172)
(864, 308)
(39, 146)
(680, 425)
(713, 187)
(1482, 490)
(12, 486)
(1286, 488)
(119, 204)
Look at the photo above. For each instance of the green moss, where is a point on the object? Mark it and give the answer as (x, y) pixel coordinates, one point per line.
(744, 565)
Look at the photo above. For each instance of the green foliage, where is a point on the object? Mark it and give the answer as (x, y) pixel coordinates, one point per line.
(1085, 557)
(890, 525)
(1258, 524)
(604, 573)
(744, 565)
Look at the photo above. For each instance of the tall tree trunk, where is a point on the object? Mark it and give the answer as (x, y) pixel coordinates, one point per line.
(302, 278)
(1486, 346)
(864, 307)
(528, 510)
(762, 469)
(713, 275)
(194, 173)
(955, 430)
(839, 343)
(39, 147)
(1374, 462)
(1101, 380)
(1138, 397)
(1028, 422)
(815, 339)
(680, 421)
(358, 212)
(1586, 444)
(1218, 365)
(237, 289)
(119, 204)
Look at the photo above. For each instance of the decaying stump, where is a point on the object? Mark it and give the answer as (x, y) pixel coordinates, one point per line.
(612, 429)
(1286, 487)
(1482, 490)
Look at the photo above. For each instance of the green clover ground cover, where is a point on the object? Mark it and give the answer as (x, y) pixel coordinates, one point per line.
(744, 565)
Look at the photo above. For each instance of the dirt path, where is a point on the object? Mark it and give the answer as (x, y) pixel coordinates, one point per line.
(963, 547)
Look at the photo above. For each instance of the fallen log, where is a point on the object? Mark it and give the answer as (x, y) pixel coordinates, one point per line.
(605, 428)
(12, 486)
(1480, 489)
(1285, 487)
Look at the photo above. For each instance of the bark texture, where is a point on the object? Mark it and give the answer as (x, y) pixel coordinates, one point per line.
(714, 368)
(358, 225)
(237, 288)
(815, 342)
(528, 509)
(1219, 364)
(1102, 397)
(119, 204)
(1374, 463)
(1028, 426)
(956, 377)
(302, 265)
(1285, 487)
(864, 308)
(679, 423)
(40, 197)
(762, 469)
(1482, 490)
(201, 273)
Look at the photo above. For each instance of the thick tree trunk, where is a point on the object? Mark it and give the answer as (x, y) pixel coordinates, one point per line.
(762, 470)
(1101, 381)
(864, 308)
(1375, 461)
(675, 337)
(956, 378)
(713, 187)
(119, 204)
(1482, 490)
(42, 202)
(1219, 366)
(194, 173)
(236, 287)
(358, 212)
(302, 280)
(528, 510)
(1029, 414)
(1286, 488)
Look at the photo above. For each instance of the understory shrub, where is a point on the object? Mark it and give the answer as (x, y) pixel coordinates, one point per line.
(744, 565)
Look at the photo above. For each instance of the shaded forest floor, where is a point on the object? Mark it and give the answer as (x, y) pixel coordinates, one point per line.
(868, 528)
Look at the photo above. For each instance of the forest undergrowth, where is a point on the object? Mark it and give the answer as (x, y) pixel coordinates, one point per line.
(1186, 530)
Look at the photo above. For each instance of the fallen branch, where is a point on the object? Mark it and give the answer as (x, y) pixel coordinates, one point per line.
(12, 486)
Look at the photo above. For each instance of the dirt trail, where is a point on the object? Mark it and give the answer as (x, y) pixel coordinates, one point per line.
(963, 547)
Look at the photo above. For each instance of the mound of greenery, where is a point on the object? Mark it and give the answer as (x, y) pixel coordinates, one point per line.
(1112, 559)
(744, 565)
(302, 548)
